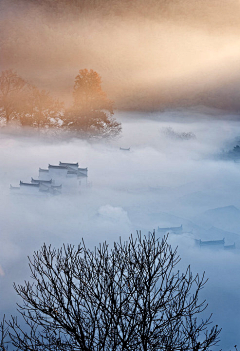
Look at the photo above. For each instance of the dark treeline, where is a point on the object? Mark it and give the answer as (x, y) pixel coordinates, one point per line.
(91, 113)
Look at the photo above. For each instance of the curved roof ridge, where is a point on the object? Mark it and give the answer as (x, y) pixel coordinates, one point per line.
(68, 164)
(41, 181)
(29, 184)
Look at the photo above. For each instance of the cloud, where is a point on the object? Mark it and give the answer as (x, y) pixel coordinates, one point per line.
(113, 214)
(1, 272)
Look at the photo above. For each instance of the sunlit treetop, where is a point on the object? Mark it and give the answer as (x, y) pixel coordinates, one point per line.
(88, 94)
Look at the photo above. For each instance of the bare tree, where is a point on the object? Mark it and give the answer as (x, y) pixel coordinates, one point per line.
(3, 335)
(11, 86)
(129, 297)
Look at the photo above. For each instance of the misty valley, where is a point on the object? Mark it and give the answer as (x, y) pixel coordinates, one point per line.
(164, 173)
(119, 175)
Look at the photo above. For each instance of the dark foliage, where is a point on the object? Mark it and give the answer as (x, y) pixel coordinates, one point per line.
(92, 112)
(129, 297)
(40, 110)
(235, 152)
(11, 90)
(90, 116)
(178, 136)
(26, 104)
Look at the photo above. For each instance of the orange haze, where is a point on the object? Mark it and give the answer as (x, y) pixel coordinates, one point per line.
(150, 54)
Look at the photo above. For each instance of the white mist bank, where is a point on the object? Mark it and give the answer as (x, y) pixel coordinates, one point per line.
(162, 181)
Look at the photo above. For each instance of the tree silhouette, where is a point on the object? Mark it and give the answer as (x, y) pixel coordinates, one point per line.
(129, 297)
(11, 87)
(92, 111)
(40, 110)
(3, 335)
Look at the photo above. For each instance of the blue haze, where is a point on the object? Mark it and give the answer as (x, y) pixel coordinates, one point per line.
(162, 181)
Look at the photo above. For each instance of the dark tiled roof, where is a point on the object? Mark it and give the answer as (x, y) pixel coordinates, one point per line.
(65, 164)
(211, 242)
(29, 184)
(171, 229)
(36, 181)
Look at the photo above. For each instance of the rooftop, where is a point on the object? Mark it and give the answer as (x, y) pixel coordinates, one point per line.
(171, 229)
(66, 164)
(45, 184)
(211, 242)
(37, 181)
(36, 185)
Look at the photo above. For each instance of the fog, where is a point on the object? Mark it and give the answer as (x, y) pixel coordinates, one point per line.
(150, 54)
(162, 181)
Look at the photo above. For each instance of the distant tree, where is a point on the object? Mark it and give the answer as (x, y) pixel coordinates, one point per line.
(170, 132)
(236, 151)
(128, 298)
(11, 87)
(40, 110)
(92, 111)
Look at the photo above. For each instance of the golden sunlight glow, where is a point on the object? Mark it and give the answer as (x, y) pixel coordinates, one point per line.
(188, 50)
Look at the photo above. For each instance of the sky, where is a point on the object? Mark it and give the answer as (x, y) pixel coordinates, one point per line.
(150, 55)
(163, 181)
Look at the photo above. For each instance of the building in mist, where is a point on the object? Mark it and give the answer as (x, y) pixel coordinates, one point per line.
(43, 174)
(211, 243)
(68, 173)
(174, 230)
(63, 178)
(29, 188)
(214, 244)
(230, 247)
